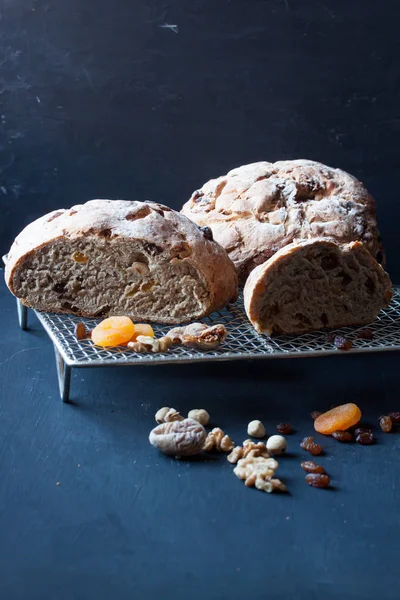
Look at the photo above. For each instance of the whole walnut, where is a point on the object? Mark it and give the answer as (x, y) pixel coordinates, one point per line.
(179, 438)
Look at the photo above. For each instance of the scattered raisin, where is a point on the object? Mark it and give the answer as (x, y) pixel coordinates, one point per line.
(306, 442)
(365, 334)
(315, 414)
(207, 232)
(386, 424)
(80, 332)
(341, 343)
(318, 480)
(395, 416)
(315, 449)
(366, 438)
(311, 447)
(361, 430)
(311, 467)
(342, 436)
(284, 428)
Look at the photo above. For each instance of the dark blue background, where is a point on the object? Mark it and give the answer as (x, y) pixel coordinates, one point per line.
(99, 99)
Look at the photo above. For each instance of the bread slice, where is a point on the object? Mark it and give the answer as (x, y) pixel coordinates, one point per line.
(257, 209)
(117, 257)
(315, 284)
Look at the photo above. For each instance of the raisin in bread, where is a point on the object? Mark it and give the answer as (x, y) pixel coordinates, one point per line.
(257, 209)
(117, 257)
(315, 284)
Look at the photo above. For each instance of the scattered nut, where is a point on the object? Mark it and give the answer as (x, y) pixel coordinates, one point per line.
(145, 343)
(262, 467)
(276, 444)
(235, 455)
(178, 438)
(256, 429)
(270, 485)
(200, 415)
(218, 440)
(160, 414)
(257, 471)
(253, 449)
(198, 335)
(172, 415)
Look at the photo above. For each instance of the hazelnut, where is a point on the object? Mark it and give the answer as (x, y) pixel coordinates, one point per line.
(200, 415)
(276, 444)
(179, 438)
(160, 414)
(256, 429)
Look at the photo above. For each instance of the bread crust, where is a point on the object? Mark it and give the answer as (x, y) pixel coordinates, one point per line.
(257, 209)
(156, 225)
(272, 271)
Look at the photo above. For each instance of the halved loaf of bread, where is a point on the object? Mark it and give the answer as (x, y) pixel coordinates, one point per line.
(316, 284)
(108, 257)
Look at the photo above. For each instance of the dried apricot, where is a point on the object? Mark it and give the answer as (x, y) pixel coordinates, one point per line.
(339, 418)
(113, 331)
(142, 329)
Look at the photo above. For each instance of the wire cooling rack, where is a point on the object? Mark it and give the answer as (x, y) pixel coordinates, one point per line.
(242, 341)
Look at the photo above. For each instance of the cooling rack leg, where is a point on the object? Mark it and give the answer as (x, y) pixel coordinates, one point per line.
(22, 315)
(64, 376)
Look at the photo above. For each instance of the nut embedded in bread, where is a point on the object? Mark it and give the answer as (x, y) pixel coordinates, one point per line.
(107, 257)
(316, 284)
(257, 209)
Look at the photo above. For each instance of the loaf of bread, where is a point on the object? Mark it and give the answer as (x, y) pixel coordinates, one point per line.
(108, 257)
(316, 284)
(259, 208)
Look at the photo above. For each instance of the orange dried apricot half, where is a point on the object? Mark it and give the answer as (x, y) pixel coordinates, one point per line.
(339, 418)
(113, 331)
(142, 329)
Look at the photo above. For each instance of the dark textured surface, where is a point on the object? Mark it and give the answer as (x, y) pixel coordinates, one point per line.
(131, 523)
(100, 99)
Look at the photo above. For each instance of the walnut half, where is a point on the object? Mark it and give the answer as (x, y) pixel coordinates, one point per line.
(217, 440)
(179, 438)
